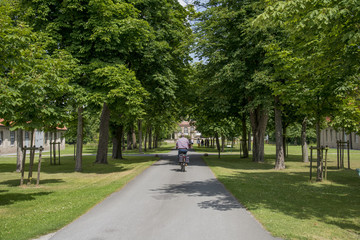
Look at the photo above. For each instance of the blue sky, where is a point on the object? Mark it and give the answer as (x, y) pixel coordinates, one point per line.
(182, 2)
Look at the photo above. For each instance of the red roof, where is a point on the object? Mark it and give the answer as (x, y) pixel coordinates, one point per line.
(58, 128)
(184, 124)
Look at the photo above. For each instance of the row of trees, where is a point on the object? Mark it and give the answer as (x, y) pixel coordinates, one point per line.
(63, 61)
(290, 61)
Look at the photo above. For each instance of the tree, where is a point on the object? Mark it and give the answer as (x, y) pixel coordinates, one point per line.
(163, 65)
(120, 91)
(234, 58)
(319, 55)
(102, 35)
(34, 84)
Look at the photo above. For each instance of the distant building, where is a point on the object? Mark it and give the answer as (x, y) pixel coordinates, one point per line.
(8, 139)
(188, 131)
(329, 137)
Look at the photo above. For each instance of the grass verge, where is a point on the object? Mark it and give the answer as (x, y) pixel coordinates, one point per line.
(63, 195)
(287, 203)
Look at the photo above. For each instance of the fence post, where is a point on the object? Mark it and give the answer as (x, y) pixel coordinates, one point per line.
(23, 166)
(39, 166)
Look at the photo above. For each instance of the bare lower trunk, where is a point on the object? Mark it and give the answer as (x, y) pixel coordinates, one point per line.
(102, 151)
(319, 170)
(222, 143)
(19, 150)
(117, 141)
(150, 137)
(145, 140)
(140, 135)
(285, 142)
(304, 148)
(244, 138)
(249, 140)
(217, 144)
(79, 140)
(32, 155)
(258, 119)
(123, 146)
(133, 137)
(156, 141)
(54, 147)
(280, 160)
(128, 141)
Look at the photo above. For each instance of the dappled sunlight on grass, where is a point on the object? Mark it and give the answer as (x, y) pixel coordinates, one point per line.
(62, 195)
(287, 203)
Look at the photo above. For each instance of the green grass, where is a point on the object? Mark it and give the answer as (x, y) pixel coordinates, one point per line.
(162, 148)
(91, 149)
(63, 195)
(287, 203)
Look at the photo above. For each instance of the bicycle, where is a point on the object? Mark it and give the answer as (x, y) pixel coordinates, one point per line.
(183, 161)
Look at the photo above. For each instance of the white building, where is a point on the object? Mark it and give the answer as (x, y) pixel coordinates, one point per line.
(8, 139)
(329, 137)
(187, 130)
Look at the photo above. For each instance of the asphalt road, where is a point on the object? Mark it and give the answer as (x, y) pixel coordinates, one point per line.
(165, 204)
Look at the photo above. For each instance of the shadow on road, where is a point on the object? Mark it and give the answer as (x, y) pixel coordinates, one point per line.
(219, 199)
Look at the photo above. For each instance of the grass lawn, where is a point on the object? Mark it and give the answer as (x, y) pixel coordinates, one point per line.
(91, 149)
(63, 195)
(287, 203)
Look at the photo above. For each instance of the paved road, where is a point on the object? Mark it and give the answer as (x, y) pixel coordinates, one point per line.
(165, 204)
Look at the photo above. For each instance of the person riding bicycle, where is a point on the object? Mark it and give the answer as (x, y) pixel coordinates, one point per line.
(182, 145)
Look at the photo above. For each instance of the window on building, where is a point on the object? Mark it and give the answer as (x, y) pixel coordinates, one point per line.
(331, 133)
(326, 135)
(191, 129)
(356, 138)
(1, 137)
(46, 137)
(185, 130)
(12, 138)
(26, 136)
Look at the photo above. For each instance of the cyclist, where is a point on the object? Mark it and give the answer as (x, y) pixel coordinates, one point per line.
(182, 145)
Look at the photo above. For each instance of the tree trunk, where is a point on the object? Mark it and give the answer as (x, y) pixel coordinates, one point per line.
(117, 141)
(102, 151)
(217, 144)
(258, 119)
(133, 137)
(19, 152)
(140, 135)
(284, 141)
(319, 172)
(280, 160)
(249, 140)
(150, 137)
(156, 141)
(128, 140)
(123, 146)
(32, 155)
(304, 148)
(222, 143)
(54, 147)
(79, 140)
(244, 137)
(145, 140)
(115, 145)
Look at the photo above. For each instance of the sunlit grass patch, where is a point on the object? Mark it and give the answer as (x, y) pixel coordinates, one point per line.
(63, 194)
(287, 203)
